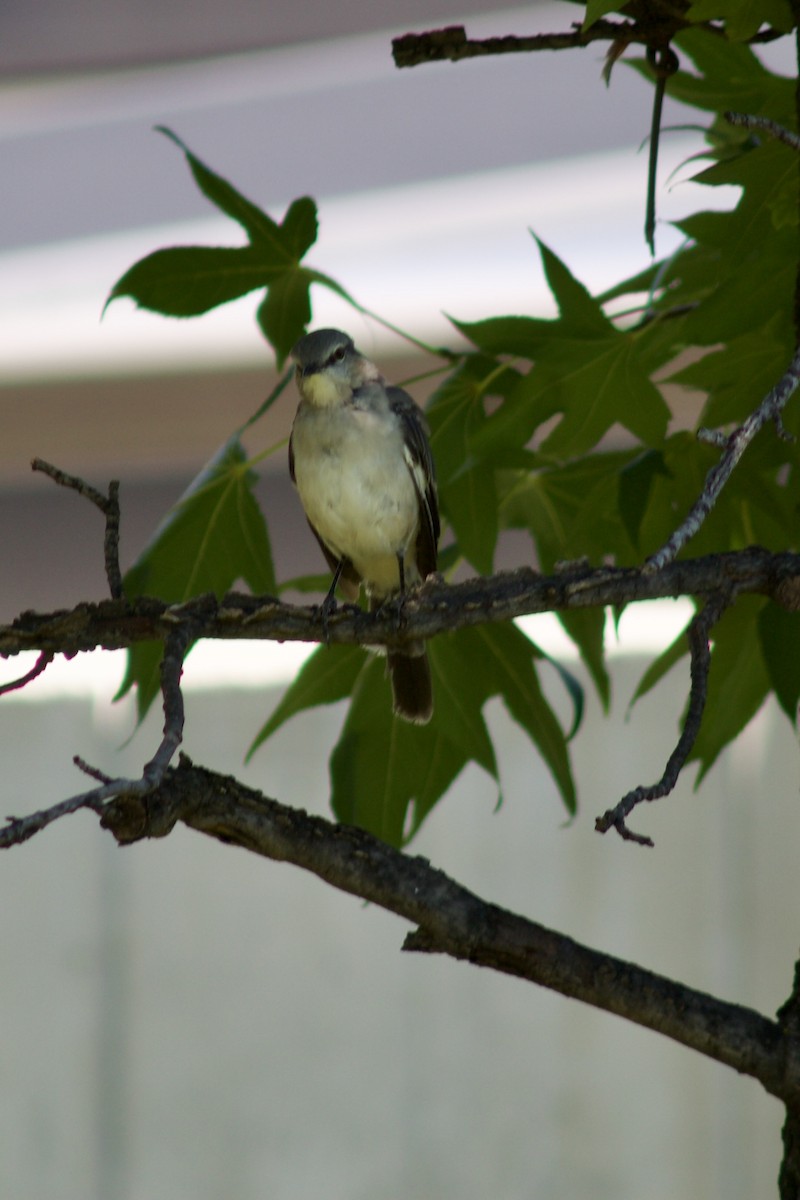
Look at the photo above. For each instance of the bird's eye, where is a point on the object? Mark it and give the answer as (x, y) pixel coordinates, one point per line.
(338, 354)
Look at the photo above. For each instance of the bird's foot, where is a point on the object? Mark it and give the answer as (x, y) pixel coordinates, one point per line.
(325, 611)
(394, 606)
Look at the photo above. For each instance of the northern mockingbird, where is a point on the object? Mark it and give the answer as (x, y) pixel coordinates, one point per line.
(360, 460)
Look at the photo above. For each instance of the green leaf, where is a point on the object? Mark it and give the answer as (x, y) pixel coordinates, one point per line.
(259, 226)
(779, 634)
(767, 173)
(186, 281)
(597, 378)
(585, 369)
(509, 657)
(743, 18)
(299, 227)
(635, 485)
(643, 282)
(387, 774)
(586, 627)
(748, 253)
(598, 384)
(595, 9)
(286, 311)
(738, 682)
(674, 491)
(730, 76)
(573, 688)
(583, 314)
(660, 666)
(517, 336)
(572, 510)
(738, 376)
(142, 669)
(467, 488)
(214, 536)
(528, 404)
(743, 300)
(327, 676)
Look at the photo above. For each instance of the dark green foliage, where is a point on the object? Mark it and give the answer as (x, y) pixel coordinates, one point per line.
(185, 281)
(387, 775)
(518, 429)
(214, 536)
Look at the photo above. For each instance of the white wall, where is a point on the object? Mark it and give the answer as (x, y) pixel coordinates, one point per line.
(184, 1021)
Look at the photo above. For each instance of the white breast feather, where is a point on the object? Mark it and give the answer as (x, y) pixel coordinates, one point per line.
(352, 471)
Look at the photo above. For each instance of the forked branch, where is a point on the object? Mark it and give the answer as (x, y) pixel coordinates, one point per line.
(109, 507)
(20, 829)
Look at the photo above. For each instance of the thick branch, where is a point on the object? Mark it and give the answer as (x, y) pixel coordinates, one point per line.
(451, 920)
(435, 608)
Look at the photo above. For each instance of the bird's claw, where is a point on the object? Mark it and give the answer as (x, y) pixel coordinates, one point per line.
(394, 607)
(325, 611)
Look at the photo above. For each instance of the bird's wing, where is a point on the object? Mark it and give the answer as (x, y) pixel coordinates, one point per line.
(420, 464)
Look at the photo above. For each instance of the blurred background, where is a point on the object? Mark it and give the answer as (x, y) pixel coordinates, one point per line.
(183, 1020)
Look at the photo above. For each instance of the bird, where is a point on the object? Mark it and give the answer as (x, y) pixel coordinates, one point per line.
(361, 462)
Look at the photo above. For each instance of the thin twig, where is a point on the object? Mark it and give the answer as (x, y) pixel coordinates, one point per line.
(88, 769)
(41, 664)
(452, 44)
(698, 634)
(19, 829)
(109, 507)
(111, 541)
(171, 669)
(769, 409)
(772, 128)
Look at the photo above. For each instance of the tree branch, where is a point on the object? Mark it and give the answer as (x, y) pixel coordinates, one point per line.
(452, 45)
(41, 665)
(699, 632)
(651, 28)
(734, 446)
(109, 507)
(450, 920)
(434, 608)
(764, 125)
(20, 829)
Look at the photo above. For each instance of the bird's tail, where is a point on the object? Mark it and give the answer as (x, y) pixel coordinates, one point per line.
(411, 686)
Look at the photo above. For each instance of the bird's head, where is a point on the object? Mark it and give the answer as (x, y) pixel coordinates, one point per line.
(329, 368)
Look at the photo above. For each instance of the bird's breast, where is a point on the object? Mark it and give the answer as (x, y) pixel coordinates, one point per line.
(356, 488)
